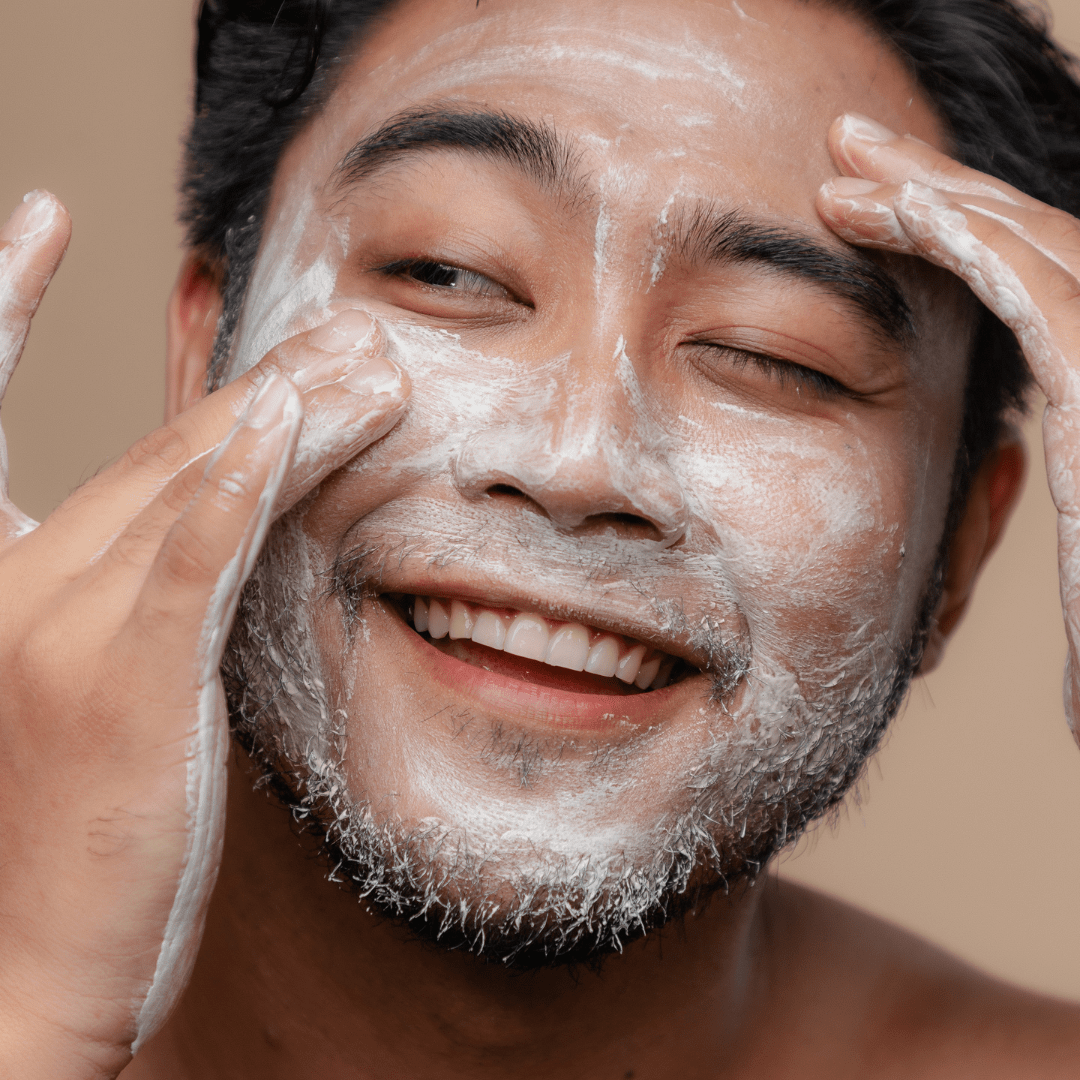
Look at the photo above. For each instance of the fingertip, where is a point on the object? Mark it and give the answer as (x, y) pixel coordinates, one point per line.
(855, 125)
(853, 141)
(836, 132)
(850, 187)
(325, 354)
(40, 214)
(274, 401)
(840, 195)
(841, 150)
(914, 196)
(351, 330)
(379, 375)
(862, 213)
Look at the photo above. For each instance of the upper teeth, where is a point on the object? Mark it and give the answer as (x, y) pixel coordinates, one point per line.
(565, 645)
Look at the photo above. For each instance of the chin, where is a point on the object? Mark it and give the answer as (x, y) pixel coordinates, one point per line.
(533, 781)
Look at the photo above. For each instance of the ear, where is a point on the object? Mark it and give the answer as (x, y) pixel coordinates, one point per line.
(193, 313)
(994, 493)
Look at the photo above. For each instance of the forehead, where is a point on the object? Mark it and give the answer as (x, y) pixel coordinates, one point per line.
(700, 98)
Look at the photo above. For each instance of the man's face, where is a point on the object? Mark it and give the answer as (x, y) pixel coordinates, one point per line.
(663, 421)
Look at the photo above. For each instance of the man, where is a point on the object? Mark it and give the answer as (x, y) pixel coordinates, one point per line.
(606, 431)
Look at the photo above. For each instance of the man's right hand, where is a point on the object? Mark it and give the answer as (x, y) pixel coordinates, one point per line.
(113, 616)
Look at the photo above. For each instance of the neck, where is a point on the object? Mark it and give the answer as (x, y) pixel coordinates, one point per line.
(295, 979)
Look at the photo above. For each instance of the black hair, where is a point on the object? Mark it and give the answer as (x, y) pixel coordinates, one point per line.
(1008, 95)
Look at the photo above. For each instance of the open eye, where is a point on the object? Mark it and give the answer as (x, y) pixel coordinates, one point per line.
(441, 276)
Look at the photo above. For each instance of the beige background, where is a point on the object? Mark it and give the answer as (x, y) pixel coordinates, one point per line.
(969, 826)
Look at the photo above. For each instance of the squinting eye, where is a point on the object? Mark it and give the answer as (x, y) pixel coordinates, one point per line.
(443, 276)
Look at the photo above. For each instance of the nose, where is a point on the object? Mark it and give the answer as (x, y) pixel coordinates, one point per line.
(589, 460)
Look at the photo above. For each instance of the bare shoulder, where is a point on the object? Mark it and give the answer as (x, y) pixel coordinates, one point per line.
(900, 1006)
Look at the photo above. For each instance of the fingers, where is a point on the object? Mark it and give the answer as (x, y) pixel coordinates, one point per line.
(351, 396)
(1000, 258)
(861, 211)
(191, 589)
(863, 147)
(1020, 257)
(190, 595)
(32, 243)
(995, 247)
(340, 419)
(329, 355)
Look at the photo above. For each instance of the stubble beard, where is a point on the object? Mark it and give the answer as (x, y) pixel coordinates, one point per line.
(749, 793)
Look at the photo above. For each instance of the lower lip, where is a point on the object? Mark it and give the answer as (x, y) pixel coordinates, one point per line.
(532, 703)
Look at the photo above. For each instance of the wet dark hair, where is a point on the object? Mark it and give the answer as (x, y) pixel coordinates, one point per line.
(1008, 95)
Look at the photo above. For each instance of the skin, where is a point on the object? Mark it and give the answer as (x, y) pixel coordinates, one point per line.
(114, 607)
(536, 388)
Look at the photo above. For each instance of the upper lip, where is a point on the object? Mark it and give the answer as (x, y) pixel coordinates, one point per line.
(618, 618)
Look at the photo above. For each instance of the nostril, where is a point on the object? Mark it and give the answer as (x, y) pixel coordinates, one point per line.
(510, 494)
(628, 525)
(506, 489)
(631, 520)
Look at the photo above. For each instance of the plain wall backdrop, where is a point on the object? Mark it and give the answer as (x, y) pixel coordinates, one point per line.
(967, 828)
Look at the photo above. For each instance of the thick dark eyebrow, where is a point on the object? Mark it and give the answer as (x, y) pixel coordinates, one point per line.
(533, 148)
(712, 234)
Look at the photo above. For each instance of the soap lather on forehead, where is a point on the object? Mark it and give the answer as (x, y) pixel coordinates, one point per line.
(670, 75)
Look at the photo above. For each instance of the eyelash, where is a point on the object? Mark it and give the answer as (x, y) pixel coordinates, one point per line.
(409, 267)
(785, 372)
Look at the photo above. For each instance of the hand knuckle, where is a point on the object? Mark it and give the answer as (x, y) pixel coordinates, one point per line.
(129, 549)
(182, 490)
(39, 658)
(1065, 289)
(164, 448)
(189, 557)
(233, 488)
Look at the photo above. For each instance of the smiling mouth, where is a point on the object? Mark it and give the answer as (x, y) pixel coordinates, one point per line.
(527, 646)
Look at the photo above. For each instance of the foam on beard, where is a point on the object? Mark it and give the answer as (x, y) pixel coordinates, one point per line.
(466, 878)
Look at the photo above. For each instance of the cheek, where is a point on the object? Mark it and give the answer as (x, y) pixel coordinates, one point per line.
(457, 393)
(293, 285)
(825, 537)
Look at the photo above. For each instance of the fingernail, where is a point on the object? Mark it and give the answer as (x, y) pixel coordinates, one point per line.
(862, 127)
(269, 404)
(850, 186)
(378, 376)
(346, 332)
(28, 217)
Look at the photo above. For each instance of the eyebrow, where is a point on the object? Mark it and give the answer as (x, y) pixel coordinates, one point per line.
(712, 234)
(705, 234)
(534, 149)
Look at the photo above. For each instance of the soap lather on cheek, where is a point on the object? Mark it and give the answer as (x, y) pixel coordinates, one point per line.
(749, 558)
(287, 294)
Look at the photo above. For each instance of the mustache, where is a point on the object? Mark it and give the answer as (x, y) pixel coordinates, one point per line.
(358, 574)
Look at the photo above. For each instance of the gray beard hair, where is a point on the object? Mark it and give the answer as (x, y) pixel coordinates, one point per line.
(747, 796)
